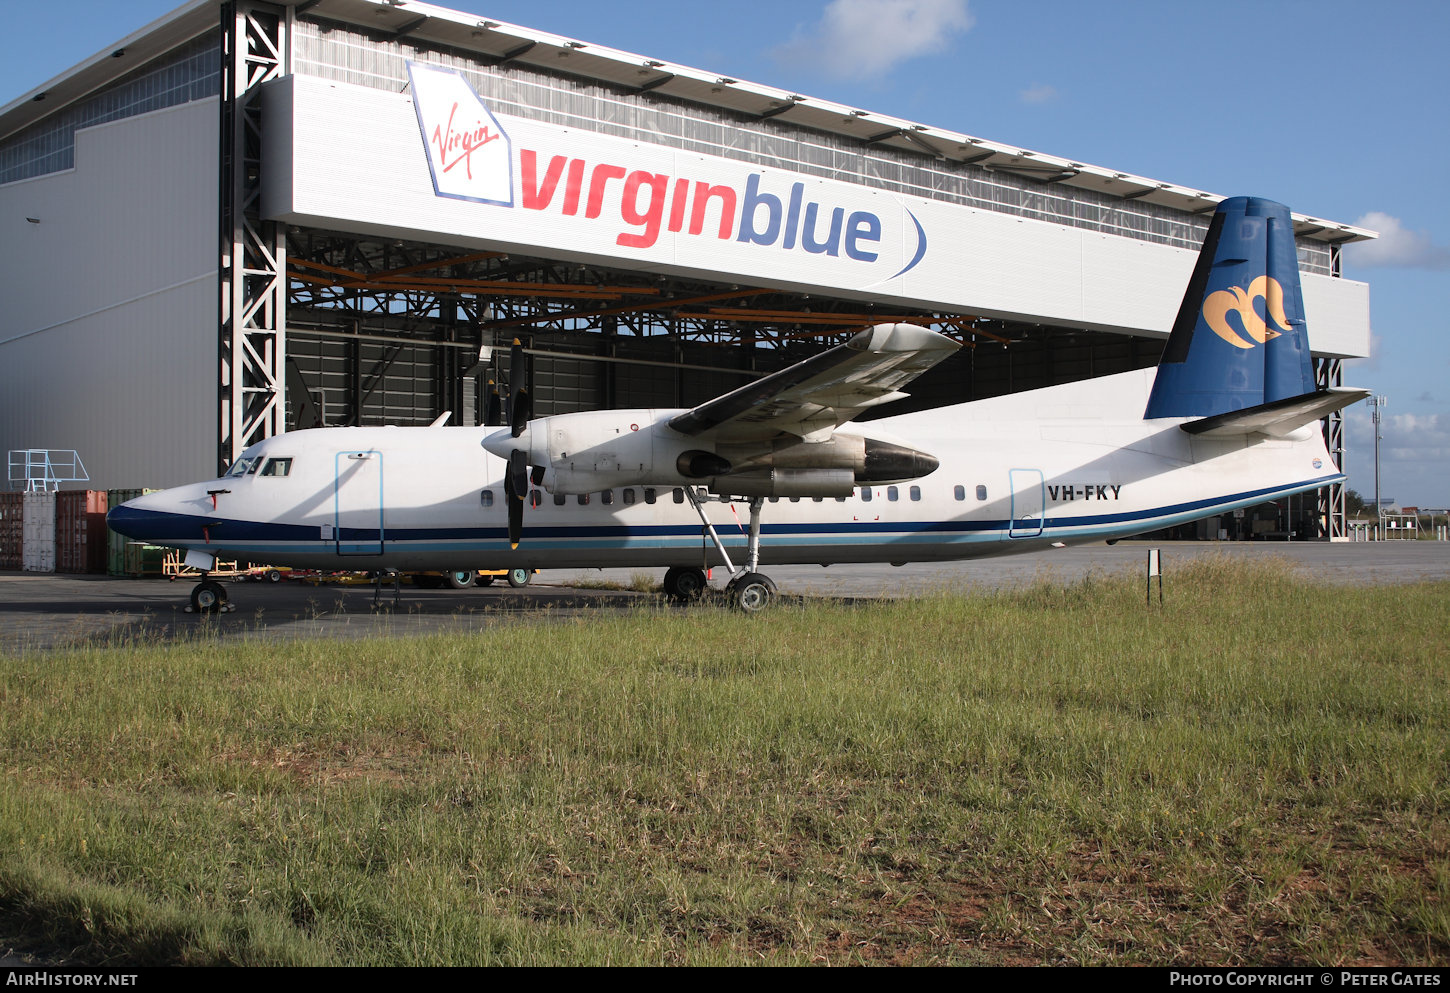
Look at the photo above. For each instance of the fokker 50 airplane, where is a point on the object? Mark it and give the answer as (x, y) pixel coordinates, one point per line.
(1227, 419)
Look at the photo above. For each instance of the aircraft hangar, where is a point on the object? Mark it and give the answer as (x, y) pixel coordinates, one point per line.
(255, 217)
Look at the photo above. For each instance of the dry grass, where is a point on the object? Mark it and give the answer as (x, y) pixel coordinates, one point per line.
(1255, 773)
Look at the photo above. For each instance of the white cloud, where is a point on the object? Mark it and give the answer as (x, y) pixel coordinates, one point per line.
(1038, 93)
(1396, 245)
(869, 38)
(1414, 454)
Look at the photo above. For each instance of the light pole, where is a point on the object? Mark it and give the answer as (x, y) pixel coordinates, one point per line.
(1376, 403)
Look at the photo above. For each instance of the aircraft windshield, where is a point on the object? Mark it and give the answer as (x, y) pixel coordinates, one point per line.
(246, 464)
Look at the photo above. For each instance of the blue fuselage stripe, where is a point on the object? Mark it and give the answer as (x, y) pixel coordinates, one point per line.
(259, 536)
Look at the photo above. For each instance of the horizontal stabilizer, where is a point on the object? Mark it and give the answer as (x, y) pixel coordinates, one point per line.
(1278, 418)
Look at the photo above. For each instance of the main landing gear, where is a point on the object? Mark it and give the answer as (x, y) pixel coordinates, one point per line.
(748, 589)
(209, 597)
(685, 584)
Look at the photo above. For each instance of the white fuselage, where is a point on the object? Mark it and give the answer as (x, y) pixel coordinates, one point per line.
(1066, 464)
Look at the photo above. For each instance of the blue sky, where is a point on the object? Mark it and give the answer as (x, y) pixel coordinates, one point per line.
(1337, 108)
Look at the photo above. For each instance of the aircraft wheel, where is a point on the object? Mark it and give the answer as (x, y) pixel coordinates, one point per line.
(484, 581)
(208, 596)
(685, 584)
(752, 592)
(461, 579)
(518, 578)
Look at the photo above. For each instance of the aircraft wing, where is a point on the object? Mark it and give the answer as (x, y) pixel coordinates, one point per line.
(812, 398)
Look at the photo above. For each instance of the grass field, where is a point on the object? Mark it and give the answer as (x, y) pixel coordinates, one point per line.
(1255, 772)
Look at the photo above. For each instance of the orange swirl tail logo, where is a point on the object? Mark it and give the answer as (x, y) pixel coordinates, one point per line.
(1217, 305)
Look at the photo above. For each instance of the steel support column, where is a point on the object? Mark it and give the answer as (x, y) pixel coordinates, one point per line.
(1332, 517)
(253, 285)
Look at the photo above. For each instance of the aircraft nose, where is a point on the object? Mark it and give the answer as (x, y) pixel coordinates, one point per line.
(147, 519)
(128, 520)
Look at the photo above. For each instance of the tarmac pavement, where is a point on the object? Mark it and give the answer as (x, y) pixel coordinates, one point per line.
(39, 611)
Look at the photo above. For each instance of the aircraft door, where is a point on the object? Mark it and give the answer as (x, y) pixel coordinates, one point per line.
(1027, 503)
(358, 503)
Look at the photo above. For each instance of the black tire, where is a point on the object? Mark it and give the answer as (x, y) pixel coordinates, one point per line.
(208, 597)
(462, 579)
(273, 576)
(518, 578)
(753, 592)
(685, 584)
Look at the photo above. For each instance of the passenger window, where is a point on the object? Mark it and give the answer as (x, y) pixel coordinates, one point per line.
(679, 495)
(559, 499)
(536, 499)
(649, 494)
(891, 493)
(606, 497)
(981, 492)
(817, 499)
(795, 499)
(485, 498)
(915, 492)
(865, 494)
(628, 495)
(773, 499)
(583, 499)
(840, 499)
(959, 491)
(278, 467)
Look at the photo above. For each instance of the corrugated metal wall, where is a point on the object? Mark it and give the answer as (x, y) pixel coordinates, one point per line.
(108, 333)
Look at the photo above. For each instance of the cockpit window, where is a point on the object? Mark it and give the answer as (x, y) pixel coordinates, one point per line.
(278, 467)
(244, 465)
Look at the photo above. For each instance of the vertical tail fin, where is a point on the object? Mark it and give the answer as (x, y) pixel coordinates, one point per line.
(1240, 339)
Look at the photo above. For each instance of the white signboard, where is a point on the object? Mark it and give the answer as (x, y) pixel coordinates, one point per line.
(437, 163)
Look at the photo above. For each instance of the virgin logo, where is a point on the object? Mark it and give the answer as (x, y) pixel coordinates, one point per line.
(454, 146)
(468, 152)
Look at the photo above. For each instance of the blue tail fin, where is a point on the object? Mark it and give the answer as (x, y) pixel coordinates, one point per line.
(1239, 340)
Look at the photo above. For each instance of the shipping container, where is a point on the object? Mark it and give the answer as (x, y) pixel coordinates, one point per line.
(12, 533)
(80, 531)
(143, 559)
(38, 530)
(116, 543)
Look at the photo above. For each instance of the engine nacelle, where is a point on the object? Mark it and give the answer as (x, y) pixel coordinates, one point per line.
(888, 463)
(595, 450)
(786, 483)
(601, 449)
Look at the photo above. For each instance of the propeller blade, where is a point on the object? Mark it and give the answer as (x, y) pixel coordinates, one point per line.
(518, 472)
(516, 488)
(521, 408)
(514, 496)
(516, 519)
(493, 408)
